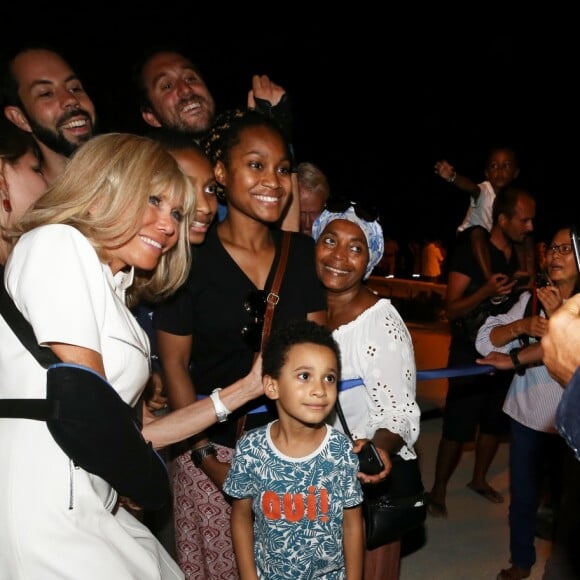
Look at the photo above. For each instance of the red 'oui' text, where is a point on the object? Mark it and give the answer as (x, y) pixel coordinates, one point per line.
(296, 506)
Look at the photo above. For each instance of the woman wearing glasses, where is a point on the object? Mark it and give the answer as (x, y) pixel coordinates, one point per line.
(512, 341)
(218, 315)
(375, 347)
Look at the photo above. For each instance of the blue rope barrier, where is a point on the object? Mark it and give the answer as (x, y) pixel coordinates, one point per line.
(427, 375)
(430, 374)
(458, 371)
(349, 384)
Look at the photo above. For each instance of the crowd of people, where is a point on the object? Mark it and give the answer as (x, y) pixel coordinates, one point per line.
(150, 258)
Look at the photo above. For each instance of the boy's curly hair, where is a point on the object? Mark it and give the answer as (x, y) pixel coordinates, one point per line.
(284, 337)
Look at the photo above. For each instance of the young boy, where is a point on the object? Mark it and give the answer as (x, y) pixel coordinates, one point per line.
(296, 498)
(501, 169)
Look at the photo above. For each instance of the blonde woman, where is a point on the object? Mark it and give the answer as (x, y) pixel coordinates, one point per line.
(112, 228)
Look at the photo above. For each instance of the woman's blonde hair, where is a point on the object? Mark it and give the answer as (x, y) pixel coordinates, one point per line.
(104, 192)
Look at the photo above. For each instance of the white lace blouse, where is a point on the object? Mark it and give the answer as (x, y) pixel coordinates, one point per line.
(378, 348)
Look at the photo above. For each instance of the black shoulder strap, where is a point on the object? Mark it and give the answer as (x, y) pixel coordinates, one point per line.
(530, 310)
(342, 418)
(22, 329)
(40, 409)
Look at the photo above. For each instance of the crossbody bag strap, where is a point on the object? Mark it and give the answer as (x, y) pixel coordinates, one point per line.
(342, 418)
(273, 296)
(271, 301)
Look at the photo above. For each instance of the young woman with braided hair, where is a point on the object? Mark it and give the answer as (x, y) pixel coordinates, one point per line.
(209, 333)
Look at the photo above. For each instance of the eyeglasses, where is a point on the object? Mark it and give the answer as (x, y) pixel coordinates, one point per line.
(368, 214)
(255, 306)
(563, 249)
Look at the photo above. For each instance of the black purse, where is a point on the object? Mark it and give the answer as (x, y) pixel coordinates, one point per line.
(89, 421)
(394, 506)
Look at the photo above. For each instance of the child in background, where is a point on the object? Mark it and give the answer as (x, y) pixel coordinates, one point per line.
(501, 169)
(296, 509)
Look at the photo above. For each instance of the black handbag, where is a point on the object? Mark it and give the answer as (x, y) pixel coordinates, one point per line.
(396, 505)
(89, 421)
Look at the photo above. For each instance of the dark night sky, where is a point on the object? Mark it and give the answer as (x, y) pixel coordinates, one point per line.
(377, 99)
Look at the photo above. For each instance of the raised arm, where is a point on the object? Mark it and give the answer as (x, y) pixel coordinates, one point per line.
(265, 89)
(447, 172)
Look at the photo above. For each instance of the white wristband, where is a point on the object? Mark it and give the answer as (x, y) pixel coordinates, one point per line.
(221, 411)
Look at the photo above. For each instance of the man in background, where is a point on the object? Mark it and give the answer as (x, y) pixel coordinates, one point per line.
(172, 94)
(42, 95)
(313, 191)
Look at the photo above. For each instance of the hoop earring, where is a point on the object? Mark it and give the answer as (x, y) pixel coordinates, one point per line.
(6, 205)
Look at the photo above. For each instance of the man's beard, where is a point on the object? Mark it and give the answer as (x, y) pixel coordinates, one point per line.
(56, 141)
(196, 132)
(201, 127)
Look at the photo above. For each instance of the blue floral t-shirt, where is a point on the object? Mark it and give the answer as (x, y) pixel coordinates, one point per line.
(297, 502)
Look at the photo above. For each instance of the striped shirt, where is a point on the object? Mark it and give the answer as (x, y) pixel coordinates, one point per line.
(533, 397)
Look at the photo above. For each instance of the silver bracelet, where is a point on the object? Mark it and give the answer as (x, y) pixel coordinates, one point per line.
(221, 411)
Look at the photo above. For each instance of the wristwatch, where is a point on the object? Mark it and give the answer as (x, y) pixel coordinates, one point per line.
(199, 454)
(221, 411)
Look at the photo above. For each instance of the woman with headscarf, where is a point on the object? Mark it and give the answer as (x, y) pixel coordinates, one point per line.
(375, 346)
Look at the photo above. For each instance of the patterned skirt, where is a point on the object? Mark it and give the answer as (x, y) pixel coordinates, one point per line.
(201, 516)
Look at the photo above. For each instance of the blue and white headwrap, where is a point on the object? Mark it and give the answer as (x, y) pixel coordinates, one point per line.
(372, 230)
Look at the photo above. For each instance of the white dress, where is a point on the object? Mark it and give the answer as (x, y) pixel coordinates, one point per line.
(57, 520)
